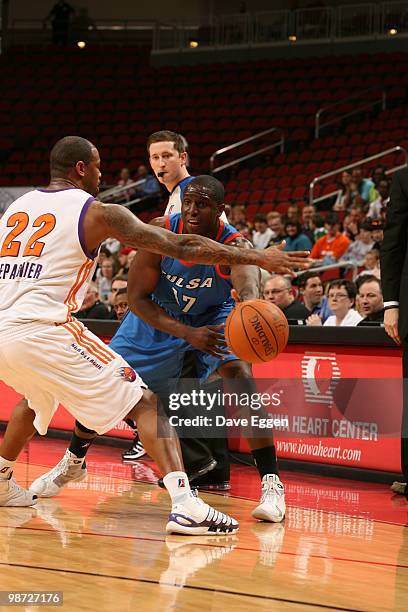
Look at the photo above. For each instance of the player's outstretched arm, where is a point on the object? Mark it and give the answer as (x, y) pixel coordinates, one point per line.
(111, 220)
(246, 280)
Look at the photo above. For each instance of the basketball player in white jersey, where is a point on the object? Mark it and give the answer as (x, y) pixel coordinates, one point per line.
(49, 239)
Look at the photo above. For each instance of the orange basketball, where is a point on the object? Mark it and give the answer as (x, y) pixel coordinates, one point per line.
(256, 331)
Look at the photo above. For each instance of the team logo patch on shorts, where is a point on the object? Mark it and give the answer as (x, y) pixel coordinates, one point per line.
(127, 373)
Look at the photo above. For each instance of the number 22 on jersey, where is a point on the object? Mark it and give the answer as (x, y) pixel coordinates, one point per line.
(19, 221)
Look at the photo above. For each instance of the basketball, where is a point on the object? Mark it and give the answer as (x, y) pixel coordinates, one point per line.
(256, 331)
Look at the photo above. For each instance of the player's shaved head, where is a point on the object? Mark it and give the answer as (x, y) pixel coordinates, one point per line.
(209, 186)
(67, 152)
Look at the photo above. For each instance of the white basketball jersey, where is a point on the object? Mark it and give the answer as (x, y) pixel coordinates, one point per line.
(44, 266)
(175, 197)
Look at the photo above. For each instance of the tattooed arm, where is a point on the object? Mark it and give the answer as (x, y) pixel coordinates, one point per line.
(111, 220)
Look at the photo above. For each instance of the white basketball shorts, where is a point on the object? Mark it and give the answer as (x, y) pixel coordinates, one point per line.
(67, 364)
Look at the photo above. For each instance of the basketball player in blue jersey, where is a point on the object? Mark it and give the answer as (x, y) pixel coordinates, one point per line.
(168, 157)
(177, 307)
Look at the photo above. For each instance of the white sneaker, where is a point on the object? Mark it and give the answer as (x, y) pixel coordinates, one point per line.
(69, 469)
(11, 494)
(198, 518)
(272, 507)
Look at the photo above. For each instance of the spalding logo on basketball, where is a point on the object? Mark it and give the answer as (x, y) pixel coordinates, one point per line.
(256, 331)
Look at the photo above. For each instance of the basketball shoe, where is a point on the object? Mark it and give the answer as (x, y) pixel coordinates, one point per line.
(272, 506)
(69, 469)
(195, 517)
(135, 451)
(11, 494)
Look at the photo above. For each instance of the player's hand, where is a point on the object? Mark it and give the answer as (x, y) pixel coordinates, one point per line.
(209, 339)
(284, 262)
(314, 320)
(391, 316)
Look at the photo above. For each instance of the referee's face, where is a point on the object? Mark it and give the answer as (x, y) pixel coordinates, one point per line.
(166, 162)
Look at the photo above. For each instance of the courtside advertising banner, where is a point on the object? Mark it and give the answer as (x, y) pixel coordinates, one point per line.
(324, 404)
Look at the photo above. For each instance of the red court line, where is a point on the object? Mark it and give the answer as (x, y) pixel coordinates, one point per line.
(240, 548)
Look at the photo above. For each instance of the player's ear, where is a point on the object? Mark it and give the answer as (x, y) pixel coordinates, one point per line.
(183, 157)
(80, 168)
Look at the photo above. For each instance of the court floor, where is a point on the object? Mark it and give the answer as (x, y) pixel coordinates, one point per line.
(343, 546)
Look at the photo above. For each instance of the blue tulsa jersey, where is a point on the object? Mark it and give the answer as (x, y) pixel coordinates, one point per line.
(193, 289)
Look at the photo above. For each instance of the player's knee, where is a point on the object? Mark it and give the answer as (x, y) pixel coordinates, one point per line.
(148, 401)
(84, 429)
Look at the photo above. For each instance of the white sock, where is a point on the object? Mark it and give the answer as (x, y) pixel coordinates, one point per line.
(6, 468)
(178, 487)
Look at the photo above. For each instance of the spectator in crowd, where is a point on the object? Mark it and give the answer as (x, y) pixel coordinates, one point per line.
(120, 303)
(124, 180)
(360, 186)
(370, 300)
(60, 17)
(262, 234)
(317, 227)
(293, 213)
(150, 186)
(371, 264)
(342, 297)
(296, 240)
(276, 225)
(307, 215)
(361, 246)
(378, 206)
(245, 231)
(311, 289)
(118, 282)
(377, 232)
(92, 307)
(278, 290)
(237, 215)
(123, 260)
(104, 253)
(351, 224)
(104, 281)
(378, 176)
(343, 199)
(379, 173)
(331, 247)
